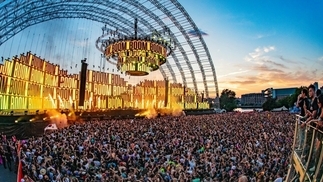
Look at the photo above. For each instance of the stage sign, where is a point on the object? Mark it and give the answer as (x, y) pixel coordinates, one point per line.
(17, 87)
(21, 71)
(37, 76)
(139, 45)
(3, 83)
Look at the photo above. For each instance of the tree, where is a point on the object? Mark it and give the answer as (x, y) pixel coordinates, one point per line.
(269, 105)
(284, 102)
(228, 100)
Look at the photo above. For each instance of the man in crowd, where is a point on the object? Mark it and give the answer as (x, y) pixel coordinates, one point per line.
(311, 111)
(312, 107)
(302, 103)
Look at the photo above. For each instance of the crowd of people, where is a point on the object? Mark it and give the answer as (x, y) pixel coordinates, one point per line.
(222, 147)
(254, 146)
(8, 153)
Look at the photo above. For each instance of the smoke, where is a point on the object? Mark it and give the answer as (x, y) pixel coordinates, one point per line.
(58, 118)
(174, 109)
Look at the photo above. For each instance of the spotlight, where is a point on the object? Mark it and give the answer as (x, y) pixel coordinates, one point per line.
(16, 121)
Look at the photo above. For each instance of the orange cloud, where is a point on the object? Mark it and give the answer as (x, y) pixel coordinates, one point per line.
(268, 72)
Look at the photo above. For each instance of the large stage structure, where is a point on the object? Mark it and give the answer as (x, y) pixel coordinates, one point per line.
(190, 61)
(30, 83)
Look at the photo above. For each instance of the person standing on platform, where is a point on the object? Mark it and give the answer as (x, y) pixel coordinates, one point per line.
(311, 112)
(302, 103)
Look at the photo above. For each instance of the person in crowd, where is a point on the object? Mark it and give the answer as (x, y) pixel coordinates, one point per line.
(302, 103)
(243, 178)
(279, 177)
(318, 92)
(318, 122)
(191, 148)
(312, 107)
(311, 111)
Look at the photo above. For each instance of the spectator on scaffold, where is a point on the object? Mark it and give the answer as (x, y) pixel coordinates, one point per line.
(311, 112)
(302, 103)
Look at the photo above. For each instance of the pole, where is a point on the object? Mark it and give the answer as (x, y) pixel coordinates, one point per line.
(136, 27)
(184, 96)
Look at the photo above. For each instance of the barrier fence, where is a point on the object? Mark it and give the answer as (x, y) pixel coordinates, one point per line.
(307, 156)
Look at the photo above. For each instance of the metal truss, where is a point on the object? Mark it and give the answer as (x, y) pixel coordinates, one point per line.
(206, 50)
(20, 14)
(68, 11)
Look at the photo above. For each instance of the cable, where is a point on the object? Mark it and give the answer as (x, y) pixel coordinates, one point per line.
(37, 43)
(13, 39)
(74, 43)
(21, 35)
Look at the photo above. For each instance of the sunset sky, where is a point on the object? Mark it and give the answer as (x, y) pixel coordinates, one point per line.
(261, 44)
(254, 45)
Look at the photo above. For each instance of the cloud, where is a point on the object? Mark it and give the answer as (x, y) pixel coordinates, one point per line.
(263, 35)
(248, 82)
(268, 49)
(258, 53)
(275, 63)
(268, 72)
(233, 73)
(265, 68)
(286, 60)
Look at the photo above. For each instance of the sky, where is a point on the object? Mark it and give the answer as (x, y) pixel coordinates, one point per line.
(257, 45)
(253, 45)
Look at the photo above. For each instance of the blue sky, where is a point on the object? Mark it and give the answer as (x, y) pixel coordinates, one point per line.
(254, 45)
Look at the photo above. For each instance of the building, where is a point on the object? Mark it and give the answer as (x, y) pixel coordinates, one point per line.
(253, 99)
(279, 93)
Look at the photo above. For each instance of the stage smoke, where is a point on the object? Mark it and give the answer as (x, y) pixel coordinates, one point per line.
(58, 118)
(174, 110)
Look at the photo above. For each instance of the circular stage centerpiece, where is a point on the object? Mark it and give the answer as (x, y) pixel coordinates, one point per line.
(137, 55)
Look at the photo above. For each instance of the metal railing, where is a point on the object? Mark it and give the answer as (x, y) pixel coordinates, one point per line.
(307, 156)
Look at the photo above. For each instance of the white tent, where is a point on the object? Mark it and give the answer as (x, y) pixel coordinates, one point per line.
(50, 127)
(280, 109)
